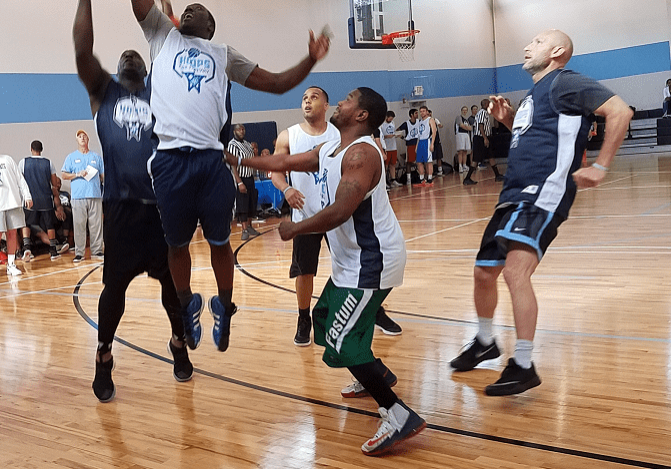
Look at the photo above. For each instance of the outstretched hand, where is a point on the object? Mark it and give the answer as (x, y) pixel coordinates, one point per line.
(318, 47)
(500, 109)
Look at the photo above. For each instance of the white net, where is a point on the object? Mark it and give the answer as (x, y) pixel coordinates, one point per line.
(406, 47)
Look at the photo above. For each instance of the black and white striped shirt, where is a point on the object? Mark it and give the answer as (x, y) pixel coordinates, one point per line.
(243, 150)
(482, 117)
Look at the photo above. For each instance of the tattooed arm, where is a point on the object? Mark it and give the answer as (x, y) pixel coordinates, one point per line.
(361, 172)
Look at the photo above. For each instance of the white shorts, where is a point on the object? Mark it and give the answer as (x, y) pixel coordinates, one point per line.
(463, 142)
(12, 219)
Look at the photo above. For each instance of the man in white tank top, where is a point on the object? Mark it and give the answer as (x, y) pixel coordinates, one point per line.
(302, 193)
(367, 254)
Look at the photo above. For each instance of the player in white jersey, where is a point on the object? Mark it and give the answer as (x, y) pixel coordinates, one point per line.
(302, 194)
(367, 253)
(190, 80)
(425, 146)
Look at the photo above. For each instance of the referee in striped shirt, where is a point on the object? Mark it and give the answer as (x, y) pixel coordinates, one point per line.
(244, 178)
(482, 130)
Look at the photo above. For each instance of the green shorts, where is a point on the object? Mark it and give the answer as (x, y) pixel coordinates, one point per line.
(344, 322)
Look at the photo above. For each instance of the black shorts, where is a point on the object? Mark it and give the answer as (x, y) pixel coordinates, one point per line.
(480, 151)
(524, 223)
(134, 241)
(305, 255)
(245, 202)
(45, 219)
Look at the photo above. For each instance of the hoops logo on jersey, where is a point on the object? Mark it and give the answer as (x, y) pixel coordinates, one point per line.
(134, 114)
(197, 66)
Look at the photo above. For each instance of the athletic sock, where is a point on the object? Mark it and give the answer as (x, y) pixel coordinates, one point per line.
(496, 170)
(10, 259)
(304, 313)
(523, 350)
(27, 243)
(184, 297)
(485, 335)
(370, 377)
(226, 297)
(471, 170)
(421, 177)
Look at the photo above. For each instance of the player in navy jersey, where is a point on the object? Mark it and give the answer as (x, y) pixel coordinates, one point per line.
(134, 240)
(549, 134)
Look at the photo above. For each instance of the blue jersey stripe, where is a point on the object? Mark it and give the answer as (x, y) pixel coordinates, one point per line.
(371, 258)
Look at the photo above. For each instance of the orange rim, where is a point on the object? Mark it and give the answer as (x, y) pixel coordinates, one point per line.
(388, 39)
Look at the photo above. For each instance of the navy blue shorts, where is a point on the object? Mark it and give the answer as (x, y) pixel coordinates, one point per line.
(192, 185)
(524, 223)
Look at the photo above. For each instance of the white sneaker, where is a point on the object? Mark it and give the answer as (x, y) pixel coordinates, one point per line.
(395, 183)
(398, 423)
(27, 255)
(12, 269)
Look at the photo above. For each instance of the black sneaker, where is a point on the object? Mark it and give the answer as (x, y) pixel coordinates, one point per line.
(54, 254)
(514, 380)
(78, 259)
(499, 178)
(475, 354)
(384, 322)
(103, 386)
(182, 369)
(302, 337)
(469, 182)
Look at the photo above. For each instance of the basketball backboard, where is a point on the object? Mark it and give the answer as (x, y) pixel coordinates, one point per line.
(371, 19)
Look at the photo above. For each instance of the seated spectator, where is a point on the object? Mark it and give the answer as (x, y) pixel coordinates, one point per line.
(64, 231)
(667, 98)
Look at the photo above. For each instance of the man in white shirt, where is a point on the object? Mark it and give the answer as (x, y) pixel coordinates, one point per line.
(14, 193)
(190, 82)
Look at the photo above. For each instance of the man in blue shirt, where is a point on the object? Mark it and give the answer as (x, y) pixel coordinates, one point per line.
(549, 134)
(85, 170)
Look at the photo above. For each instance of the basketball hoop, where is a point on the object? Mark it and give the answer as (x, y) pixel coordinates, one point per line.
(404, 42)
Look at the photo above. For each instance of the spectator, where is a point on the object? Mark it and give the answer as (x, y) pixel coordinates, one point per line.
(244, 178)
(411, 130)
(85, 170)
(462, 130)
(388, 129)
(667, 98)
(40, 175)
(64, 232)
(14, 193)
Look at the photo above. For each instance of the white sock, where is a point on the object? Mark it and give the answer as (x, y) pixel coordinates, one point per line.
(399, 415)
(10, 259)
(523, 350)
(421, 177)
(485, 335)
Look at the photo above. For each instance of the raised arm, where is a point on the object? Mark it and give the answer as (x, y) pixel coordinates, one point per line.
(91, 73)
(278, 83)
(617, 114)
(308, 161)
(141, 8)
(361, 172)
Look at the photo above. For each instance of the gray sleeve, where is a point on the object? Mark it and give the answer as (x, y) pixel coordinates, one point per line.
(238, 67)
(576, 94)
(156, 27)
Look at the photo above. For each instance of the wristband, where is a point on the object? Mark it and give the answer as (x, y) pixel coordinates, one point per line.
(600, 167)
(240, 183)
(286, 189)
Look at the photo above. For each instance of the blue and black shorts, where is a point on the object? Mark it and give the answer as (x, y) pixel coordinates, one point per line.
(192, 185)
(523, 223)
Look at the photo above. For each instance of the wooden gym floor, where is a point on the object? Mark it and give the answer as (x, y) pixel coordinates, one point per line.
(602, 349)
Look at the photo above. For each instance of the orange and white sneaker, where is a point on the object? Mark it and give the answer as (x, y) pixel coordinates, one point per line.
(398, 423)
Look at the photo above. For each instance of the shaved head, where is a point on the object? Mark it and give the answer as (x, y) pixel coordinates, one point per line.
(549, 50)
(560, 39)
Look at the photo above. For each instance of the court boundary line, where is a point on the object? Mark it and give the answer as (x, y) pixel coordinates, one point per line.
(440, 428)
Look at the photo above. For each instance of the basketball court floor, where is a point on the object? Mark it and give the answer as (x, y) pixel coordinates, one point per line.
(602, 349)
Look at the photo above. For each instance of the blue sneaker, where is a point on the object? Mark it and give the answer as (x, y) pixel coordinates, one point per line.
(222, 322)
(193, 332)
